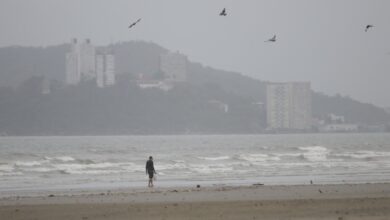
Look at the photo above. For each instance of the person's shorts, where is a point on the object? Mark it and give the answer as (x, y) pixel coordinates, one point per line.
(151, 175)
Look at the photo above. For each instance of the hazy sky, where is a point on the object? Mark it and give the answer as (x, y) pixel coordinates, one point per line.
(322, 41)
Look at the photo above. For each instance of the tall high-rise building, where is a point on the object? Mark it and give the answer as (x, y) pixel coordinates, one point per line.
(105, 69)
(289, 105)
(110, 69)
(80, 62)
(87, 61)
(73, 64)
(174, 66)
(100, 70)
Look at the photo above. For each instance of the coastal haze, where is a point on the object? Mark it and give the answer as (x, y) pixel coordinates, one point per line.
(252, 109)
(319, 41)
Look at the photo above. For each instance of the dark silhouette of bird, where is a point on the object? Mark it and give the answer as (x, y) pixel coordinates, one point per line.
(223, 12)
(311, 181)
(273, 39)
(368, 27)
(320, 191)
(134, 23)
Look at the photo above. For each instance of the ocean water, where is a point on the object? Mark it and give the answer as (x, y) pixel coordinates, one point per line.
(69, 163)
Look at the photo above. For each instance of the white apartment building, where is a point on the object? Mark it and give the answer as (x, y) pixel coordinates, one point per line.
(110, 69)
(87, 61)
(80, 62)
(105, 69)
(100, 81)
(174, 66)
(289, 105)
(73, 76)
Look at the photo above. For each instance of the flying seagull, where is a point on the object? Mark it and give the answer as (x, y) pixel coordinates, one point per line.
(273, 39)
(368, 27)
(223, 12)
(134, 23)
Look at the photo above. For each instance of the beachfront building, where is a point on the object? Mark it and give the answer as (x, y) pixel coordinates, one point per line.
(105, 69)
(73, 64)
(80, 62)
(174, 66)
(339, 128)
(289, 106)
(87, 61)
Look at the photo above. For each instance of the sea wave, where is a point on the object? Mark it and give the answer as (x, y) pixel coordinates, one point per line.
(315, 153)
(214, 158)
(29, 163)
(64, 158)
(363, 154)
(254, 158)
(6, 168)
(208, 169)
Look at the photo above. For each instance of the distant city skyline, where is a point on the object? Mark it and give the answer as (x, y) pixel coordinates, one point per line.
(323, 42)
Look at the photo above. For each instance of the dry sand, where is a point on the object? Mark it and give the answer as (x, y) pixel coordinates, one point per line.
(339, 202)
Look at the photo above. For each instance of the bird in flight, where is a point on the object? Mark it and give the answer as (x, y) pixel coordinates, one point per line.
(223, 12)
(273, 39)
(368, 27)
(134, 23)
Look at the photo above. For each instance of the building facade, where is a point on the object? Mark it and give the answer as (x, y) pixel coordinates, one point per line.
(80, 62)
(73, 64)
(289, 106)
(87, 61)
(105, 69)
(84, 64)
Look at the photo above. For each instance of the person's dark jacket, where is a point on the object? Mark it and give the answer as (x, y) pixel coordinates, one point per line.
(150, 167)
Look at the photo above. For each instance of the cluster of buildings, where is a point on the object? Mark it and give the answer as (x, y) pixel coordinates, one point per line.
(84, 63)
(288, 105)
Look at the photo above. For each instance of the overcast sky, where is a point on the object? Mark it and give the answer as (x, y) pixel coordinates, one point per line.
(321, 41)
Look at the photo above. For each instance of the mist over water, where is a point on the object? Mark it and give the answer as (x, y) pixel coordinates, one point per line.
(39, 163)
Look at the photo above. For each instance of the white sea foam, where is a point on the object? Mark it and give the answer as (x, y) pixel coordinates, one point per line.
(77, 166)
(6, 168)
(28, 163)
(99, 168)
(255, 158)
(175, 166)
(287, 154)
(65, 158)
(132, 167)
(11, 174)
(208, 169)
(363, 154)
(39, 169)
(315, 153)
(215, 158)
(60, 158)
(95, 172)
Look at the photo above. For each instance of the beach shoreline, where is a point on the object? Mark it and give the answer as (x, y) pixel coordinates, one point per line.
(337, 201)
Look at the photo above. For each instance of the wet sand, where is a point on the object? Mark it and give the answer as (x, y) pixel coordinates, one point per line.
(340, 202)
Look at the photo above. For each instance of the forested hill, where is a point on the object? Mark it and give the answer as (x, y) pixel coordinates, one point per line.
(18, 64)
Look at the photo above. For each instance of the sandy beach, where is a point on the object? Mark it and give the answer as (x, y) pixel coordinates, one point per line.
(346, 201)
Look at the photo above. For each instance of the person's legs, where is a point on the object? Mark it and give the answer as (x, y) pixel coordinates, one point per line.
(150, 179)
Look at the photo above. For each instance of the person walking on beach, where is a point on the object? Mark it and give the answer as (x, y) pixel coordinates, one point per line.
(150, 170)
